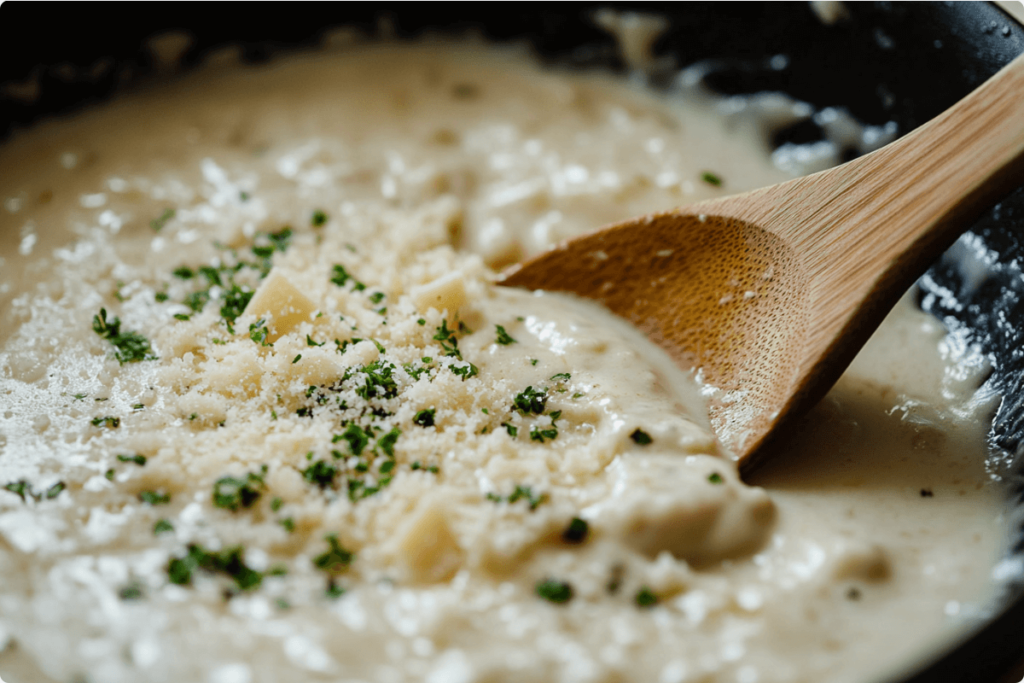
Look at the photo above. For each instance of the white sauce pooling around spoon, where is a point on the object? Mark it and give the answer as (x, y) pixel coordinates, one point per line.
(431, 165)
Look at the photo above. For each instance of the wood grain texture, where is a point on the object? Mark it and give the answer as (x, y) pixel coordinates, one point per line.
(771, 293)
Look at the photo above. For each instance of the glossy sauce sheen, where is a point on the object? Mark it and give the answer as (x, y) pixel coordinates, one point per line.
(868, 542)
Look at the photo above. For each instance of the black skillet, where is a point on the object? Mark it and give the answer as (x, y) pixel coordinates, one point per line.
(885, 62)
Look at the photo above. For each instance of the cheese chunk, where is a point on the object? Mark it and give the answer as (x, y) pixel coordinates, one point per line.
(281, 304)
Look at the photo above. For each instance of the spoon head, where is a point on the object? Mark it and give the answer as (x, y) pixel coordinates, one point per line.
(721, 296)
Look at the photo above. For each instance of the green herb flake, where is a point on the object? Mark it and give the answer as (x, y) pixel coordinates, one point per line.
(512, 430)
(577, 531)
(336, 559)
(157, 224)
(230, 561)
(139, 460)
(132, 591)
(232, 493)
(276, 503)
(288, 524)
(296, 359)
(533, 361)
(504, 338)
(356, 437)
(530, 400)
(184, 273)
(155, 498)
(716, 478)
(258, 332)
(640, 437)
(318, 219)
(448, 340)
(310, 342)
(421, 322)
(377, 297)
(108, 421)
(321, 473)
(341, 276)
(387, 442)
(558, 592)
(130, 347)
(425, 418)
(711, 179)
(162, 526)
(235, 301)
(561, 377)
(645, 597)
(281, 239)
(465, 371)
(109, 474)
(542, 435)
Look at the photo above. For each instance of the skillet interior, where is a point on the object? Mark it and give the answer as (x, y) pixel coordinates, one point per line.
(887, 62)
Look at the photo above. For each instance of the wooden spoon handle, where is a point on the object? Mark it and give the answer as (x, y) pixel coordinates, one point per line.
(900, 207)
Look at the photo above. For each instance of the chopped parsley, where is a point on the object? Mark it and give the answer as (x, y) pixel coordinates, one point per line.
(258, 332)
(162, 526)
(465, 371)
(158, 223)
(310, 342)
(645, 597)
(133, 591)
(377, 297)
(521, 492)
(504, 338)
(378, 381)
(387, 442)
(711, 179)
(577, 531)
(425, 418)
(182, 316)
(281, 239)
(139, 460)
(529, 400)
(321, 473)
(512, 430)
(541, 435)
(233, 493)
(336, 559)
(296, 359)
(130, 347)
(640, 437)
(108, 421)
(341, 276)
(561, 377)
(552, 590)
(23, 488)
(356, 437)
(716, 478)
(235, 301)
(288, 524)
(184, 273)
(318, 219)
(230, 561)
(155, 498)
(448, 340)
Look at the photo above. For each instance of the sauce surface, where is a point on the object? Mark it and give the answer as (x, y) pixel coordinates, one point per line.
(518, 486)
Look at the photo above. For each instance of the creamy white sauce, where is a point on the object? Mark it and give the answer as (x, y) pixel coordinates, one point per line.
(867, 544)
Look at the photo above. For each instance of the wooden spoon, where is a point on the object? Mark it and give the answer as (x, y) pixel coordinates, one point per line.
(772, 293)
